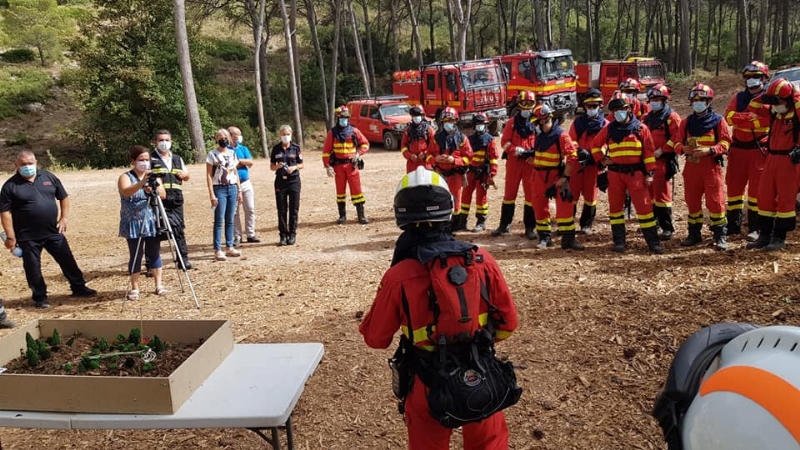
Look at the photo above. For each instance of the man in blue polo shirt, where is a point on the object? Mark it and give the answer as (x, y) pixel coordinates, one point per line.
(248, 196)
(31, 220)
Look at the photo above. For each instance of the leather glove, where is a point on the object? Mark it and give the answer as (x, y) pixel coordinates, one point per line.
(602, 181)
(518, 151)
(330, 171)
(585, 157)
(566, 193)
(551, 192)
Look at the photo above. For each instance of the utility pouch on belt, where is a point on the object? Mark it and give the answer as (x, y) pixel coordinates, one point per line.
(795, 155)
(402, 375)
(672, 165)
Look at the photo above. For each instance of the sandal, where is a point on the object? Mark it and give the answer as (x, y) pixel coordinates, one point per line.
(133, 294)
(161, 290)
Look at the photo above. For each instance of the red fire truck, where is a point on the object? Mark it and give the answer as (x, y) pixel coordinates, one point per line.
(468, 86)
(607, 75)
(549, 74)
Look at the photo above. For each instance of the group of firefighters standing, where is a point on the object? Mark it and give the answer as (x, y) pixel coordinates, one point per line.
(632, 153)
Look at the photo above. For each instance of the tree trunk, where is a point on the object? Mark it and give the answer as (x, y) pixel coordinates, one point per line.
(287, 33)
(548, 24)
(414, 33)
(562, 24)
(695, 15)
(589, 32)
(596, 20)
(461, 15)
(431, 24)
(395, 34)
(502, 26)
(362, 67)
(744, 36)
(670, 36)
(368, 39)
(450, 28)
(784, 25)
(719, 37)
(337, 28)
(635, 36)
(685, 56)
(311, 17)
(296, 49)
(711, 24)
(257, 13)
(761, 36)
(187, 80)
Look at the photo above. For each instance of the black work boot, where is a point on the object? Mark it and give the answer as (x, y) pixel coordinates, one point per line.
(544, 240)
(694, 236)
(506, 216)
(753, 225)
(342, 213)
(618, 236)
(480, 226)
(587, 218)
(651, 237)
(778, 241)
(735, 222)
(362, 219)
(568, 241)
(720, 238)
(460, 222)
(664, 217)
(764, 234)
(529, 220)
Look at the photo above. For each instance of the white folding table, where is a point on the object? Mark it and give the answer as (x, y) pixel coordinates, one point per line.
(256, 387)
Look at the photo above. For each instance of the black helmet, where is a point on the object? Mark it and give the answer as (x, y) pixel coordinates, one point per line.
(479, 118)
(618, 103)
(416, 110)
(593, 95)
(422, 196)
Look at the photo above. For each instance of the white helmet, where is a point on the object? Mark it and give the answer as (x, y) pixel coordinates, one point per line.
(422, 196)
(749, 396)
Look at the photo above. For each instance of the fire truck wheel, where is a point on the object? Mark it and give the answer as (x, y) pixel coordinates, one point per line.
(494, 127)
(390, 141)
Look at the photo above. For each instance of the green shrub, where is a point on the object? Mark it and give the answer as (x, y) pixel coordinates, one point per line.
(18, 55)
(20, 86)
(230, 51)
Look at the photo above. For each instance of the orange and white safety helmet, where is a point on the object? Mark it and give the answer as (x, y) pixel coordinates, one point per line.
(701, 91)
(540, 113)
(341, 111)
(780, 89)
(755, 68)
(449, 114)
(526, 99)
(660, 90)
(630, 85)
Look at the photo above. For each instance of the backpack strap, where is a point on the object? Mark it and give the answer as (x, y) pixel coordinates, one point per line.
(407, 311)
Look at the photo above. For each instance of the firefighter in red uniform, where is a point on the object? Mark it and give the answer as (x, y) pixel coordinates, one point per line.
(664, 123)
(482, 170)
(450, 156)
(517, 138)
(417, 138)
(750, 121)
(553, 157)
(584, 171)
(631, 88)
(422, 207)
(778, 187)
(631, 162)
(704, 138)
(341, 156)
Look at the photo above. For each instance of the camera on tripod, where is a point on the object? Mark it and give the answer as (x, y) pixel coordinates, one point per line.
(152, 183)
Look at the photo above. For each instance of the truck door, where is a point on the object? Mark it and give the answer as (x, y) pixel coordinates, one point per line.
(452, 85)
(609, 79)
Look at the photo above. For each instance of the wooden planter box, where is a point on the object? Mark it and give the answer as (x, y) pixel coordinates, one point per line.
(102, 394)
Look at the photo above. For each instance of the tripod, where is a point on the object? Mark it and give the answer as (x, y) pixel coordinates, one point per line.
(163, 226)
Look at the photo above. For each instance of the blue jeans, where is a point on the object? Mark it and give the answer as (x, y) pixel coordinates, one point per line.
(225, 210)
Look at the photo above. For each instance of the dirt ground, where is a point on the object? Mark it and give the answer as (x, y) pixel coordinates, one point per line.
(596, 337)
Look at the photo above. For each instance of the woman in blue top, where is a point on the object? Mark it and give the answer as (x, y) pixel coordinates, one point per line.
(137, 220)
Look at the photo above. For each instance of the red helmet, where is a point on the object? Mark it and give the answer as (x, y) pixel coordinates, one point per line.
(541, 113)
(618, 101)
(341, 111)
(779, 89)
(449, 114)
(756, 68)
(526, 99)
(630, 85)
(660, 90)
(701, 91)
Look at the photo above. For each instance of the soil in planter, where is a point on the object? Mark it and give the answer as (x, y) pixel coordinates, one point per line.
(65, 358)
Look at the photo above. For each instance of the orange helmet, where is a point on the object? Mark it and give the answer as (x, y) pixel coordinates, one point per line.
(756, 68)
(541, 113)
(526, 99)
(630, 85)
(779, 89)
(701, 91)
(341, 111)
(449, 114)
(660, 90)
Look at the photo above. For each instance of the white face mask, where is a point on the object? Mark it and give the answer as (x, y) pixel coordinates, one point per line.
(239, 140)
(753, 83)
(780, 109)
(526, 113)
(286, 139)
(142, 166)
(164, 146)
(449, 126)
(417, 119)
(480, 128)
(621, 115)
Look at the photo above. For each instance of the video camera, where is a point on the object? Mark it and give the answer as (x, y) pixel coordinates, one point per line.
(152, 183)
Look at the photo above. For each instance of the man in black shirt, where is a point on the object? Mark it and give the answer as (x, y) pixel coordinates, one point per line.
(30, 219)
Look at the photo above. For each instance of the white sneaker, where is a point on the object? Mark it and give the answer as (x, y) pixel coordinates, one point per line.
(220, 255)
(233, 252)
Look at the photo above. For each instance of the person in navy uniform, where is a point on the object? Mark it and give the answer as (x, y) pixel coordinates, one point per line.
(286, 160)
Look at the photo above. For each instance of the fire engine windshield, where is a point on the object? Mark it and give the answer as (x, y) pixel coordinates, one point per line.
(400, 109)
(481, 76)
(651, 71)
(554, 68)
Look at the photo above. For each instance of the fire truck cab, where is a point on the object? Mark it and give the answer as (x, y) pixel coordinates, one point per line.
(468, 86)
(550, 75)
(607, 75)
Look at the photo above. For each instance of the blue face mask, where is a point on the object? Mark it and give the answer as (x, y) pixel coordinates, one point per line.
(621, 115)
(28, 171)
(656, 106)
(343, 122)
(449, 126)
(416, 119)
(526, 113)
(593, 112)
(699, 106)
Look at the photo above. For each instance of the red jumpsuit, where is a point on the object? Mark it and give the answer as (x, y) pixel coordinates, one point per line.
(484, 156)
(412, 278)
(553, 151)
(750, 121)
(518, 132)
(584, 177)
(778, 188)
(631, 154)
(340, 146)
(415, 143)
(456, 145)
(704, 177)
(664, 126)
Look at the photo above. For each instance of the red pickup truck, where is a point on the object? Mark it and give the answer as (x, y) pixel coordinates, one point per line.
(381, 118)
